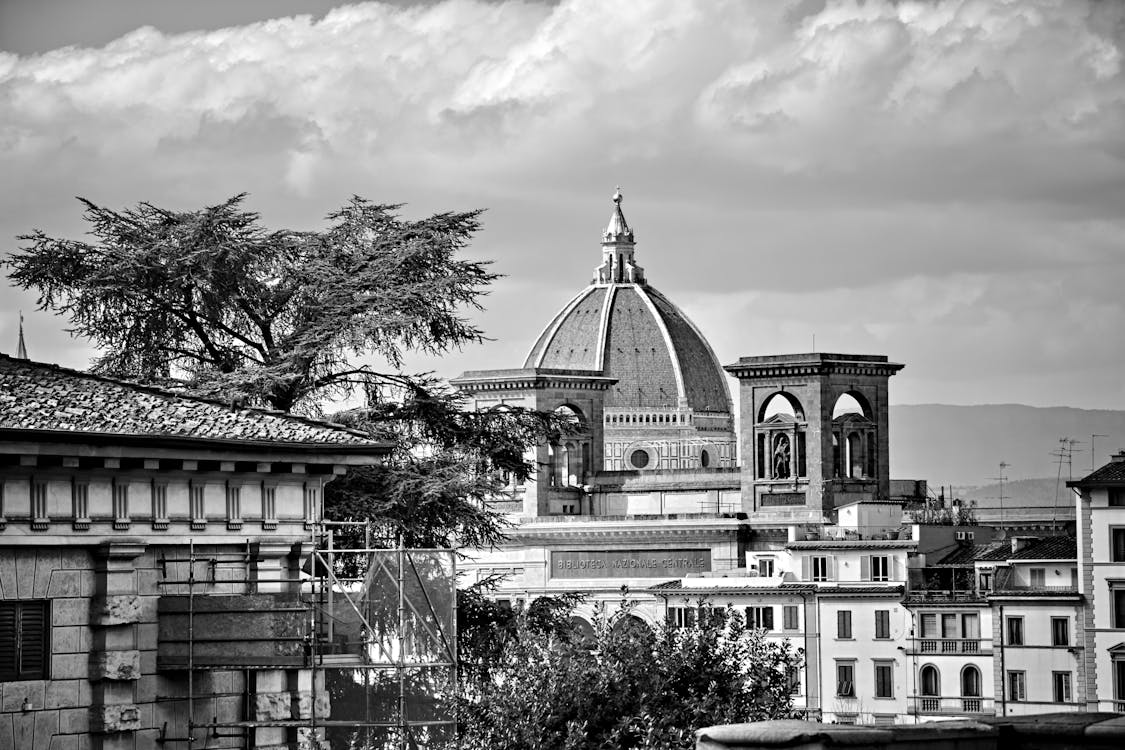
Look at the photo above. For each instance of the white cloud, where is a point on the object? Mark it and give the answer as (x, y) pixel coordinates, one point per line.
(927, 179)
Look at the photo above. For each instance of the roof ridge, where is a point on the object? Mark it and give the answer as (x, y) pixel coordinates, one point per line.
(167, 393)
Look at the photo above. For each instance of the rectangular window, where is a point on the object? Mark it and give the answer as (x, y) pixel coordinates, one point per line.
(793, 676)
(310, 504)
(970, 625)
(985, 582)
(789, 617)
(820, 568)
(884, 679)
(24, 640)
(1038, 577)
(39, 516)
(1119, 680)
(681, 617)
(880, 568)
(1015, 632)
(1118, 608)
(765, 567)
(159, 505)
(80, 504)
(929, 625)
(759, 618)
(1117, 497)
(949, 626)
(120, 504)
(1117, 545)
(1017, 686)
(845, 679)
(198, 505)
(882, 623)
(234, 506)
(844, 624)
(269, 506)
(1060, 631)
(761, 456)
(1060, 686)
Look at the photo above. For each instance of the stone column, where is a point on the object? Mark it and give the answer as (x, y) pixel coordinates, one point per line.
(115, 660)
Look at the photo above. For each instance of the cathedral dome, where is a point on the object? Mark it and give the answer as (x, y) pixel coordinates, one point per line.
(625, 329)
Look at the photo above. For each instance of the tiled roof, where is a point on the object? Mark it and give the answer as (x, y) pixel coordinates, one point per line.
(1114, 471)
(38, 396)
(971, 553)
(1051, 548)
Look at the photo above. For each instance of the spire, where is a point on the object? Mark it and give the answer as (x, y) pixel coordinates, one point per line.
(618, 230)
(21, 348)
(617, 251)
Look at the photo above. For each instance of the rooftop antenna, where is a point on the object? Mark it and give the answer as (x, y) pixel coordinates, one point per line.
(1065, 454)
(21, 347)
(1092, 439)
(1001, 479)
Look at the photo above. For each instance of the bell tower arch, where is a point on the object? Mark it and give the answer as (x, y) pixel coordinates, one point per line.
(814, 432)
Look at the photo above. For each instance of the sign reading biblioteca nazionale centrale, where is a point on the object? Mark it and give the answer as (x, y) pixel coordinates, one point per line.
(647, 563)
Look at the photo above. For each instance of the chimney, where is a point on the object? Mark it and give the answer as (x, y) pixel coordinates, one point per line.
(1118, 458)
(1022, 542)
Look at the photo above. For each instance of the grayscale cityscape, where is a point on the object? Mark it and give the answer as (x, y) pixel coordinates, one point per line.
(562, 374)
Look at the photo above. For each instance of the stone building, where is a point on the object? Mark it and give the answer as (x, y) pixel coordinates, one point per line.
(132, 520)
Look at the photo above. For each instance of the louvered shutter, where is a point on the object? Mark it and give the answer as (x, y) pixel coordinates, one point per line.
(865, 567)
(767, 618)
(8, 661)
(33, 650)
(805, 568)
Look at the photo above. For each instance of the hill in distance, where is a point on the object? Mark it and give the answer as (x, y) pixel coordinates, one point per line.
(964, 445)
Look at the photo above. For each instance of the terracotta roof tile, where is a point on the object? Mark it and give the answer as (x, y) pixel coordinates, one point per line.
(38, 396)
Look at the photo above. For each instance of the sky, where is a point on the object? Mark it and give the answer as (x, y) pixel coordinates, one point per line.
(940, 182)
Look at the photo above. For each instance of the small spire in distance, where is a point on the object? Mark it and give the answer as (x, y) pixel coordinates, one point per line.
(21, 348)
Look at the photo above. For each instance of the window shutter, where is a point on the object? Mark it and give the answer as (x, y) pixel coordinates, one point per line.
(865, 568)
(33, 641)
(8, 665)
(767, 618)
(805, 568)
(832, 568)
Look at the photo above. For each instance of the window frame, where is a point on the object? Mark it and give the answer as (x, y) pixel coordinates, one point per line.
(1009, 631)
(888, 666)
(882, 624)
(790, 617)
(1060, 626)
(759, 617)
(883, 561)
(766, 567)
(849, 666)
(1017, 678)
(1037, 573)
(12, 642)
(1116, 551)
(844, 629)
(822, 576)
(1065, 680)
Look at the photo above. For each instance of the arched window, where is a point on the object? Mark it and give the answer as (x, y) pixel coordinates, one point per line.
(970, 682)
(782, 403)
(704, 458)
(851, 403)
(931, 681)
(632, 626)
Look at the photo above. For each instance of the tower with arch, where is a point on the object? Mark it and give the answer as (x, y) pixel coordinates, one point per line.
(814, 432)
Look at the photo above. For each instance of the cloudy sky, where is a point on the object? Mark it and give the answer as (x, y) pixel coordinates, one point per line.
(942, 182)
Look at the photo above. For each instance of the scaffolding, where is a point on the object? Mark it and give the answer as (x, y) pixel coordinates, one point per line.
(370, 632)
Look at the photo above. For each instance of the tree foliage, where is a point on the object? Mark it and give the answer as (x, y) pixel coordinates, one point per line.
(213, 301)
(628, 688)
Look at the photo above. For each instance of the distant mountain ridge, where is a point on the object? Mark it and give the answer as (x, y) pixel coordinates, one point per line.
(964, 445)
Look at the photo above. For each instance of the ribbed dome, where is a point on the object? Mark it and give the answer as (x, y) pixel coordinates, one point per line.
(633, 333)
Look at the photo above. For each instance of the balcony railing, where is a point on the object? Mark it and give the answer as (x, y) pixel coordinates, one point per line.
(952, 705)
(949, 646)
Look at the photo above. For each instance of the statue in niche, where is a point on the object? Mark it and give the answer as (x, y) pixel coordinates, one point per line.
(781, 457)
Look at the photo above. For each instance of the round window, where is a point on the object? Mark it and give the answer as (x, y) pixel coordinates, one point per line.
(639, 459)
(704, 458)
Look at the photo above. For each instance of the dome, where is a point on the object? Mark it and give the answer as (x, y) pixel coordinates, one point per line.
(625, 329)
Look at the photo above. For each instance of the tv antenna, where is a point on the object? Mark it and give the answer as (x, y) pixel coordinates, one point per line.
(1065, 454)
(1001, 479)
(1092, 439)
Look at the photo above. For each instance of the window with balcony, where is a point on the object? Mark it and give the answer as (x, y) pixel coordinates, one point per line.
(1060, 631)
(845, 679)
(1014, 631)
(1038, 577)
(789, 617)
(844, 624)
(970, 689)
(25, 651)
(882, 623)
(1060, 687)
(930, 681)
(1017, 686)
(884, 679)
(759, 618)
